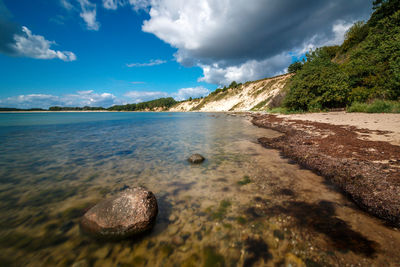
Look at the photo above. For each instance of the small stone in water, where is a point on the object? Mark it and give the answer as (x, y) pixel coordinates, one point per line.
(172, 218)
(196, 158)
(178, 241)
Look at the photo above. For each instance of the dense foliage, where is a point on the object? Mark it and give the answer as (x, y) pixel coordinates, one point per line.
(295, 66)
(319, 84)
(364, 68)
(163, 103)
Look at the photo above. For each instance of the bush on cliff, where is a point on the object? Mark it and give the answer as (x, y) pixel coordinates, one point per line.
(320, 84)
(364, 68)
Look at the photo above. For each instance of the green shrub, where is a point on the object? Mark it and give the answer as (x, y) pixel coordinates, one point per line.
(355, 35)
(295, 66)
(357, 107)
(377, 106)
(320, 84)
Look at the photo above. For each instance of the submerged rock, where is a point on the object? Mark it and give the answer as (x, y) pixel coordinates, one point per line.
(196, 158)
(130, 212)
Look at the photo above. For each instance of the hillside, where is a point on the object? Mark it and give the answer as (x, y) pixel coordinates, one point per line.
(257, 95)
(363, 70)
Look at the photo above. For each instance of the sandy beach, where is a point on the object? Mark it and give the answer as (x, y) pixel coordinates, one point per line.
(373, 121)
(358, 152)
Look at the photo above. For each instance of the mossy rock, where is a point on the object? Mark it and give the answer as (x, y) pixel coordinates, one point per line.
(212, 258)
(245, 180)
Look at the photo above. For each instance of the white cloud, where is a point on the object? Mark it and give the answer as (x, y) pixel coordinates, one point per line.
(193, 92)
(80, 99)
(36, 46)
(89, 98)
(140, 4)
(153, 62)
(230, 35)
(112, 4)
(66, 4)
(181, 94)
(247, 71)
(141, 96)
(30, 101)
(88, 14)
(339, 30)
(136, 4)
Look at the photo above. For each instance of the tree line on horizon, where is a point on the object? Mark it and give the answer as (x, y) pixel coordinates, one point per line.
(163, 103)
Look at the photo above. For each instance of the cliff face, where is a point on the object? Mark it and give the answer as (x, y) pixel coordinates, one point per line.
(257, 95)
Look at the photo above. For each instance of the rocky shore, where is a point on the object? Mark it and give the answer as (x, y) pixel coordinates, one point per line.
(367, 170)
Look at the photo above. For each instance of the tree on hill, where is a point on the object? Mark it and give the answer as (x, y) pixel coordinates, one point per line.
(233, 85)
(295, 66)
(383, 9)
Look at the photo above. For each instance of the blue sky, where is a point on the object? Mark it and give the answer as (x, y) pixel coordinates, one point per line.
(105, 52)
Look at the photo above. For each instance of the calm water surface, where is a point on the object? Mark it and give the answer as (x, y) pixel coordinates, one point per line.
(244, 206)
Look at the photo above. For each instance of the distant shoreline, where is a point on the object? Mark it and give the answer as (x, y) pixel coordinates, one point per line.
(61, 111)
(116, 111)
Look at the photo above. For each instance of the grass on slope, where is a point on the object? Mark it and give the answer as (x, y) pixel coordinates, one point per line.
(378, 106)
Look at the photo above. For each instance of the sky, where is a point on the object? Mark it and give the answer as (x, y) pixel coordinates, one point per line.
(108, 52)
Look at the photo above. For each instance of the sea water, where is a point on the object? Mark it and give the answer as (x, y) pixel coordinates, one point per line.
(244, 206)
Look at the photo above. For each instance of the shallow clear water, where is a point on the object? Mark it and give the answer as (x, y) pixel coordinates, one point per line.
(244, 206)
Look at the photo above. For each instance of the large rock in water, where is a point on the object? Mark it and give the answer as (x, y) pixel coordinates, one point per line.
(130, 212)
(196, 158)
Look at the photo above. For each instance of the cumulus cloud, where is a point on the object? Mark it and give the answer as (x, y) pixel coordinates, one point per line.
(247, 71)
(30, 101)
(136, 4)
(338, 29)
(181, 94)
(112, 4)
(66, 4)
(89, 98)
(152, 62)
(141, 96)
(36, 46)
(221, 36)
(193, 92)
(79, 99)
(88, 14)
(21, 42)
